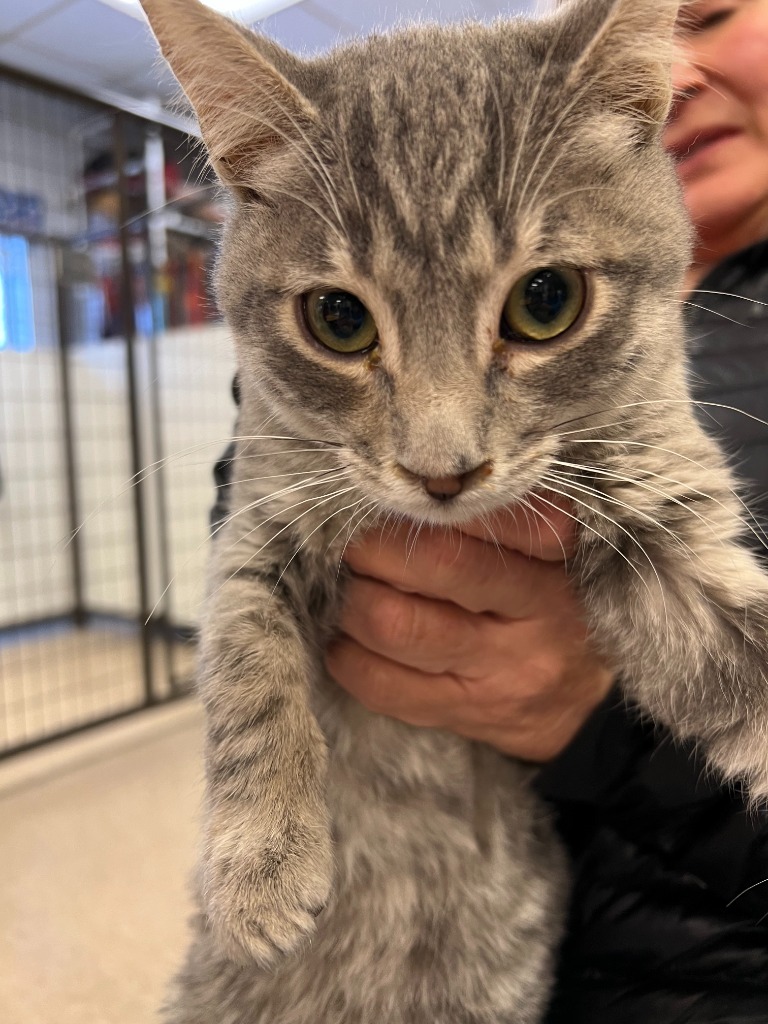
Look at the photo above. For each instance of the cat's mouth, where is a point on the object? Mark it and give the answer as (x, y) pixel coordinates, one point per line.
(454, 499)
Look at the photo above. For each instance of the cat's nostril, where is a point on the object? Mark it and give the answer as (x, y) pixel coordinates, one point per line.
(444, 488)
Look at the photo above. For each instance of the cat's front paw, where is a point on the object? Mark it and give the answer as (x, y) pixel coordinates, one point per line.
(265, 890)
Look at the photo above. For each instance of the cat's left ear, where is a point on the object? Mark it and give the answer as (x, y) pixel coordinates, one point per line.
(249, 112)
(628, 47)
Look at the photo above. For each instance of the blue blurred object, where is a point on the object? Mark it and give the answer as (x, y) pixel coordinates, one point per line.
(17, 318)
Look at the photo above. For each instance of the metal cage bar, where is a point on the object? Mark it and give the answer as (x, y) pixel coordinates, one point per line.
(100, 635)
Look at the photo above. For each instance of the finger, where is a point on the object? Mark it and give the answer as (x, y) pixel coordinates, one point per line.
(421, 633)
(448, 566)
(545, 528)
(387, 688)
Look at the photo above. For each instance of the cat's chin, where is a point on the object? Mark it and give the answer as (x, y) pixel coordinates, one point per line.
(457, 511)
(482, 498)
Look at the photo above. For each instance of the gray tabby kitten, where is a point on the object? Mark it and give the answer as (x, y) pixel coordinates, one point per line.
(452, 271)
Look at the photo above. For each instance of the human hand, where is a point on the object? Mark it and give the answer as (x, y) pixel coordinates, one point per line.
(454, 632)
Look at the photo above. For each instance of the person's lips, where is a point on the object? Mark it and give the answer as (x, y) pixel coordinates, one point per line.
(696, 143)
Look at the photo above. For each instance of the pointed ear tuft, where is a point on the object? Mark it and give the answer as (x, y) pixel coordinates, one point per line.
(248, 112)
(627, 56)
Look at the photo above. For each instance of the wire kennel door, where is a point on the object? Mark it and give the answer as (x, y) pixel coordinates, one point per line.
(104, 324)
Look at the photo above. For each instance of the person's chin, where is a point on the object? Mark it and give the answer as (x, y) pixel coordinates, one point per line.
(717, 190)
(727, 215)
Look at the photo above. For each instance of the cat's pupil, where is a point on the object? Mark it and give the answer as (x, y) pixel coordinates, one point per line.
(343, 313)
(545, 296)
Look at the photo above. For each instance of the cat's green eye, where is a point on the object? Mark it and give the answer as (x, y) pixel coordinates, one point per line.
(542, 305)
(339, 321)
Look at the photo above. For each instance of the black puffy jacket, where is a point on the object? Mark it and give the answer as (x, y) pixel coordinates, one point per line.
(669, 915)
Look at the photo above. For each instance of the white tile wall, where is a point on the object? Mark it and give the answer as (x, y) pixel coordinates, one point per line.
(35, 580)
(195, 368)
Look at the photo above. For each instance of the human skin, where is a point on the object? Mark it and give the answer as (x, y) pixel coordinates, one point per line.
(719, 131)
(453, 635)
(481, 637)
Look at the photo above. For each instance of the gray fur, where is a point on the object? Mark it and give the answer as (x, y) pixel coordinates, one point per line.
(356, 870)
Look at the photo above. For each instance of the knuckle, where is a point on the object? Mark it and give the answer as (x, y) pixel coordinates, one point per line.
(378, 695)
(444, 558)
(340, 660)
(558, 536)
(393, 620)
(540, 677)
(361, 554)
(371, 699)
(548, 671)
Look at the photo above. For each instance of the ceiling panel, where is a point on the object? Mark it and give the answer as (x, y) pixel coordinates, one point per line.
(94, 47)
(51, 67)
(138, 94)
(90, 34)
(16, 13)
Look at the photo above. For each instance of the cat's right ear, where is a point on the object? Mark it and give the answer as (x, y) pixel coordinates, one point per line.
(626, 52)
(249, 113)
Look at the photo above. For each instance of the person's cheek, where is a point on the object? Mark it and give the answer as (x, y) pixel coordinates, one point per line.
(742, 59)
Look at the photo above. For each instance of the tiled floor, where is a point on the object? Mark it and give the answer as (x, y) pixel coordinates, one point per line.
(97, 844)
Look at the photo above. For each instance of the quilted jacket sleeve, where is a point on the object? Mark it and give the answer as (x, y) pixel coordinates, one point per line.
(669, 915)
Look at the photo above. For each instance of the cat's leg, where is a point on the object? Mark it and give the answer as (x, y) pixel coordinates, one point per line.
(706, 677)
(681, 608)
(267, 860)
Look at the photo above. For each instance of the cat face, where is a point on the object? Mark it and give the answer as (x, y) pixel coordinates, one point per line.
(446, 243)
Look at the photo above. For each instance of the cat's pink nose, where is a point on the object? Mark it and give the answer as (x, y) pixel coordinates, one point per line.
(444, 488)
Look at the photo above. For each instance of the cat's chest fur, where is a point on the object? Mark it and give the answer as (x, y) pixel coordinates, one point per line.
(431, 832)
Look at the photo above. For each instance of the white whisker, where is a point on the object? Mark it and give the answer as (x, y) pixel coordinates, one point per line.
(319, 480)
(544, 150)
(538, 514)
(487, 520)
(213, 187)
(410, 546)
(717, 312)
(502, 137)
(312, 159)
(234, 515)
(635, 482)
(351, 175)
(594, 492)
(318, 502)
(271, 187)
(668, 451)
(152, 468)
(526, 126)
(727, 295)
(294, 488)
(370, 507)
(597, 533)
(336, 512)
